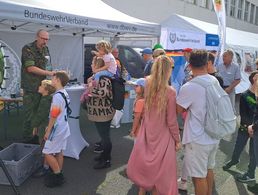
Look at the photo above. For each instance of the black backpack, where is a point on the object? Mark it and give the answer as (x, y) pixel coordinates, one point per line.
(68, 109)
(118, 91)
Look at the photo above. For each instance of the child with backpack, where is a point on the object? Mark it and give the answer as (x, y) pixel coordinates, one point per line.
(57, 131)
(138, 106)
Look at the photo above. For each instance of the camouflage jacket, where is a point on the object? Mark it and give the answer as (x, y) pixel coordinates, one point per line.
(32, 56)
(40, 117)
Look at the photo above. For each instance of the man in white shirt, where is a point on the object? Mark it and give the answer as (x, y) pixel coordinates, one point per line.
(200, 148)
(230, 73)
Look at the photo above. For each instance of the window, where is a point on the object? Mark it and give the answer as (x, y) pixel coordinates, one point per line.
(256, 16)
(240, 9)
(226, 6)
(232, 8)
(252, 14)
(191, 1)
(204, 3)
(247, 5)
(131, 60)
(212, 6)
(129, 55)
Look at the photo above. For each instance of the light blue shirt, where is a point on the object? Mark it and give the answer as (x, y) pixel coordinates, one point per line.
(229, 73)
(102, 73)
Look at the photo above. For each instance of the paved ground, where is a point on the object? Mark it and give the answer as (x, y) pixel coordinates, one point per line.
(82, 179)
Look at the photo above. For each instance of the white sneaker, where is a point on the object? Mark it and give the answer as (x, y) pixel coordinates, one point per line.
(182, 185)
(113, 126)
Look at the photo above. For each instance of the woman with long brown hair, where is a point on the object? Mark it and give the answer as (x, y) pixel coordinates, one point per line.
(152, 164)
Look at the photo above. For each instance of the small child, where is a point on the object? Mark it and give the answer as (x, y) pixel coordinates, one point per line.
(138, 110)
(97, 63)
(104, 50)
(138, 107)
(57, 130)
(40, 116)
(40, 119)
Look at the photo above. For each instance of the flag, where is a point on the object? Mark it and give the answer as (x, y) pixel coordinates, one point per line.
(178, 74)
(219, 7)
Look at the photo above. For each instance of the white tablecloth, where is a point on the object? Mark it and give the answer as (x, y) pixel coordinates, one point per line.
(75, 142)
(128, 105)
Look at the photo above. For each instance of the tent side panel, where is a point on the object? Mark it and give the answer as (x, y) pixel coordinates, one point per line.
(66, 51)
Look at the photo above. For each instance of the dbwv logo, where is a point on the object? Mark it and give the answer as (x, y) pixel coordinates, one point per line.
(172, 37)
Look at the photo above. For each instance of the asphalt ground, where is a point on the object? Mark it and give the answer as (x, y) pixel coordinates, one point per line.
(82, 179)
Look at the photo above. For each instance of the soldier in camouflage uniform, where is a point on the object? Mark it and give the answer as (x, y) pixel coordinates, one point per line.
(34, 59)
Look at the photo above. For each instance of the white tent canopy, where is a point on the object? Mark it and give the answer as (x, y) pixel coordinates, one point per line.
(67, 22)
(80, 15)
(237, 38)
(240, 41)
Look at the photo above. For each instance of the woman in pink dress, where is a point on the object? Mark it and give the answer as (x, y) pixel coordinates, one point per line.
(152, 164)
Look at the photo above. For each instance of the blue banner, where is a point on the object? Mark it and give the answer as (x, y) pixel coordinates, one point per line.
(212, 40)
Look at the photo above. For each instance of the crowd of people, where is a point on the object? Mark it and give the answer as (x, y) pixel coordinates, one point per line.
(148, 162)
(157, 109)
(46, 104)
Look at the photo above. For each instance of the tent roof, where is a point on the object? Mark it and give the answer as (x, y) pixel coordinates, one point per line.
(233, 36)
(82, 15)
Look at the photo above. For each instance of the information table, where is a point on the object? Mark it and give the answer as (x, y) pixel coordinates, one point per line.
(75, 142)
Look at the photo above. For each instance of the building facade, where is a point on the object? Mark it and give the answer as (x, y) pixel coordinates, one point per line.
(241, 14)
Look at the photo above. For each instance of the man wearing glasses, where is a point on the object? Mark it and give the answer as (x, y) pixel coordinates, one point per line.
(35, 57)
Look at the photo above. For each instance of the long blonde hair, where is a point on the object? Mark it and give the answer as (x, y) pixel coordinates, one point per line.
(157, 83)
(105, 45)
